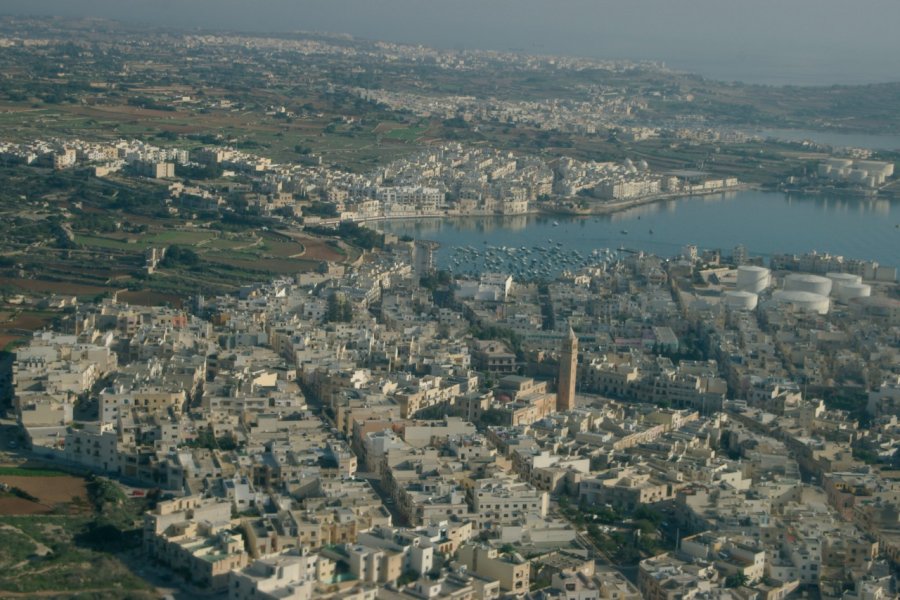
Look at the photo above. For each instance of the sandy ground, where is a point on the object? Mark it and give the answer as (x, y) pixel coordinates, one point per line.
(49, 490)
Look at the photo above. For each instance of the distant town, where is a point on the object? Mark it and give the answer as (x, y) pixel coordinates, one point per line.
(447, 180)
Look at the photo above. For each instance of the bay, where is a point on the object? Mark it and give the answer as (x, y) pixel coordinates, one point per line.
(765, 223)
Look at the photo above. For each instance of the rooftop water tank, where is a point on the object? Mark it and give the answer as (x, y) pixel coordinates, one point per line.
(804, 282)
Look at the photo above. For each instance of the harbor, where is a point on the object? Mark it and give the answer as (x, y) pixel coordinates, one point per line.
(538, 246)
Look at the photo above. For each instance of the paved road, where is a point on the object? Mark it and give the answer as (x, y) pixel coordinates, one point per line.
(396, 517)
(599, 556)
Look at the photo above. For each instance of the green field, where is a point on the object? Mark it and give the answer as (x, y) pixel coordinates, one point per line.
(181, 237)
(407, 134)
(110, 243)
(143, 241)
(25, 472)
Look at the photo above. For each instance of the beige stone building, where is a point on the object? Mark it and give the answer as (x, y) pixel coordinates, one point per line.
(512, 572)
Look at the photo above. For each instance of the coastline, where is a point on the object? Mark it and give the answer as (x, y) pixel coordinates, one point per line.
(604, 208)
(614, 207)
(759, 218)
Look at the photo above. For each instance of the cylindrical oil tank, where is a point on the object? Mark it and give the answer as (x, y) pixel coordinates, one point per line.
(858, 175)
(801, 300)
(849, 291)
(804, 282)
(844, 278)
(876, 167)
(752, 279)
(738, 300)
(838, 163)
(838, 280)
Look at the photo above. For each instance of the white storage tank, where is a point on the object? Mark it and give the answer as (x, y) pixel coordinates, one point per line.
(849, 291)
(838, 163)
(858, 175)
(752, 279)
(876, 167)
(801, 300)
(737, 300)
(839, 280)
(804, 282)
(843, 278)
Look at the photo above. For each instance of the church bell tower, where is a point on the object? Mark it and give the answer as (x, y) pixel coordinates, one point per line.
(568, 371)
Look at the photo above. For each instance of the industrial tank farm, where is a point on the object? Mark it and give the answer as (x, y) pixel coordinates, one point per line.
(802, 291)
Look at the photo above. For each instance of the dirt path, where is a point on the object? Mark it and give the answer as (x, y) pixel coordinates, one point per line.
(61, 593)
(40, 549)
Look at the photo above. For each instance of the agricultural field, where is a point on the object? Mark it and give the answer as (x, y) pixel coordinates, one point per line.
(51, 491)
(150, 298)
(8, 341)
(407, 134)
(110, 225)
(262, 252)
(352, 146)
(16, 324)
(62, 543)
(34, 491)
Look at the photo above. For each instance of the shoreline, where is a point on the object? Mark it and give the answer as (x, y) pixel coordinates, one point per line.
(604, 209)
(700, 220)
(599, 209)
(614, 207)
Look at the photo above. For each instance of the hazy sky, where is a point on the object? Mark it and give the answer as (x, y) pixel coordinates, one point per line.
(772, 41)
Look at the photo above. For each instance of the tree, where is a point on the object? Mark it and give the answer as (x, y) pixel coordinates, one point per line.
(492, 417)
(180, 256)
(332, 309)
(321, 209)
(338, 309)
(646, 513)
(736, 580)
